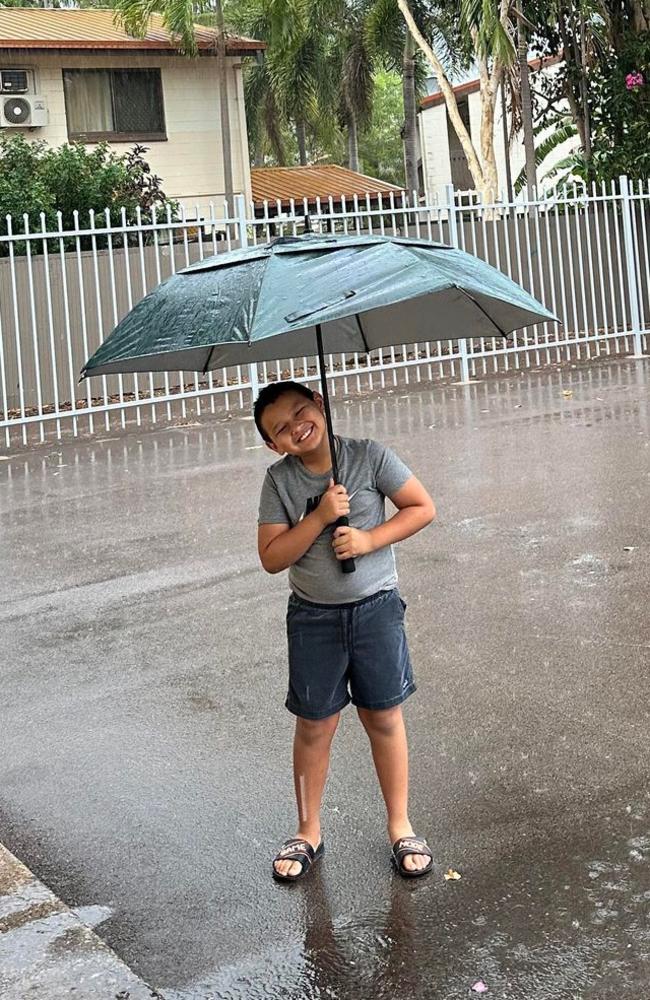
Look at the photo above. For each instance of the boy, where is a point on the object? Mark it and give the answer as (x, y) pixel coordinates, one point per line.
(342, 628)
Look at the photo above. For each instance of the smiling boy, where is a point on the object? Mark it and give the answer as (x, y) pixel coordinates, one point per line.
(345, 631)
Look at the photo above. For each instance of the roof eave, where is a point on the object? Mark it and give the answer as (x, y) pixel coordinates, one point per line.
(239, 48)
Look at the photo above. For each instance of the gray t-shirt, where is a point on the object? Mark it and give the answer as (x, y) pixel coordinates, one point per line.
(370, 472)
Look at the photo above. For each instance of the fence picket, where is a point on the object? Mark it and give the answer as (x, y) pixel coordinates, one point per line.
(585, 252)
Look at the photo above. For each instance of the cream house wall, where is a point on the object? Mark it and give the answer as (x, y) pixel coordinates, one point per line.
(190, 161)
(435, 144)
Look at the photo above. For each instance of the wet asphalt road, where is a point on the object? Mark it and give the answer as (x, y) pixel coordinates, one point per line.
(145, 760)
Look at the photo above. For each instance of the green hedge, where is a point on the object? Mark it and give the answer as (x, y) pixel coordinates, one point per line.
(35, 179)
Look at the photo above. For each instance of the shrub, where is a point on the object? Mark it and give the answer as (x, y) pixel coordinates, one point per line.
(35, 179)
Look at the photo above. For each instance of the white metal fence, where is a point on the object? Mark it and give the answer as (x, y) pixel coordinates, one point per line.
(584, 253)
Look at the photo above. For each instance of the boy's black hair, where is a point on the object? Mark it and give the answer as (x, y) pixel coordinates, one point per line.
(269, 394)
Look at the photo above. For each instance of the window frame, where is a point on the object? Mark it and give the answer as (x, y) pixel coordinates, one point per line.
(93, 137)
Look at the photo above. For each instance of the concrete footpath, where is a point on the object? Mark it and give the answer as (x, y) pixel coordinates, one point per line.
(48, 951)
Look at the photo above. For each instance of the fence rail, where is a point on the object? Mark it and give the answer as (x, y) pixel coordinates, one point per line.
(585, 253)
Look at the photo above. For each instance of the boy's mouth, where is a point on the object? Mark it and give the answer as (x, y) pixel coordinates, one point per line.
(304, 434)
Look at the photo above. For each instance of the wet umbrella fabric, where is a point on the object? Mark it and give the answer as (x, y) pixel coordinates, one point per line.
(335, 294)
(263, 303)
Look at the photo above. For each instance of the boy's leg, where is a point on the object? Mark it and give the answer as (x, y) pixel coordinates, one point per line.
(311, 754)
(387, 734)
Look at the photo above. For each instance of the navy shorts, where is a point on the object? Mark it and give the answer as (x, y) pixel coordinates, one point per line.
(347, 652)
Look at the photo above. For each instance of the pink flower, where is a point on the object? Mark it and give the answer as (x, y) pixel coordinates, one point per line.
(634, 80)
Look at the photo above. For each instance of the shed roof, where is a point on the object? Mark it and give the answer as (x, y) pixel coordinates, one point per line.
(285, 183)
(45, 28)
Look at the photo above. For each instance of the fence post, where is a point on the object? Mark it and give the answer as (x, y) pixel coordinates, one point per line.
(630, 264)
(242, 233)
(453, 239)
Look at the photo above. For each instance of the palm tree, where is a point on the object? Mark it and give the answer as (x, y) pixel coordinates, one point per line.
(356, 79)
(395, 46)
(289, 85)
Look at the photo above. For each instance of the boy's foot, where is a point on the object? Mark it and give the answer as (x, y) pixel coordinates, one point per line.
(293, 868)
(409, 862)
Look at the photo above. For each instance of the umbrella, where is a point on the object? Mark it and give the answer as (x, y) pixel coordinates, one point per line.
(341, 294)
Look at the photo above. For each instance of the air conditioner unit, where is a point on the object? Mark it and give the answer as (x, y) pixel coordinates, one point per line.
(23, 112)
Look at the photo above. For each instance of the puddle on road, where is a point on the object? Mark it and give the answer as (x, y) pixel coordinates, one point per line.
(570, 924)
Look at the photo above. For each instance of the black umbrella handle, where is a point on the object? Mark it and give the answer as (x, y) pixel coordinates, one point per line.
(347, 565)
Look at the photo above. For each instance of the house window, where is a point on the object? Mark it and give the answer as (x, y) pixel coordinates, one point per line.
(123, 105)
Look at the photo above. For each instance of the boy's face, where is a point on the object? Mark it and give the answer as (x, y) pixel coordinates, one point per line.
(295, 425)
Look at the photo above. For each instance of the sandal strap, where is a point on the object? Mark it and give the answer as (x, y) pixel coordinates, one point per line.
(296, 850)
(411, 845)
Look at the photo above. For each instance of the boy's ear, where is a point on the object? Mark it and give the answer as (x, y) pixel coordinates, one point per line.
(318, 399)
(273, 447)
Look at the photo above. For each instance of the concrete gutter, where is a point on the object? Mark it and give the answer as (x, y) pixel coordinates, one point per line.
(48, 951)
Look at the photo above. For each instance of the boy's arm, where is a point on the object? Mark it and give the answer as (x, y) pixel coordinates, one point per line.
(415, 509)
(280, 546)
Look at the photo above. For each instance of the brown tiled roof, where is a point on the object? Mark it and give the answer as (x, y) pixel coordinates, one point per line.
(32, 28)
(284, 183)
(472, 86)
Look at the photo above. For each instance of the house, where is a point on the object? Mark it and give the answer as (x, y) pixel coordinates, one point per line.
(279, 190)
(78, 76)
(442, 156)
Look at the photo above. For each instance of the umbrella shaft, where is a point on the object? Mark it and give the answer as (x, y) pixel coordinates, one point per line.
(326, 401)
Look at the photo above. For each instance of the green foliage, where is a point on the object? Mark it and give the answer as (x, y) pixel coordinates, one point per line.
(620, 117)
(35, 179)
(562, 128)
(606, 41)
(380, 145)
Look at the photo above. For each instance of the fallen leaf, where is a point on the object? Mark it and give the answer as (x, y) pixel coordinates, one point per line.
(451, 874)
(567, 392)
(480, 987)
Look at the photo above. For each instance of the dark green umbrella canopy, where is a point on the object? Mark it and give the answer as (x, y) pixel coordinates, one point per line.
(303, 295)
(265, 302)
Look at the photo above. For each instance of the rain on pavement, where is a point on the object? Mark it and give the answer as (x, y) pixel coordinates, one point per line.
(146, 751)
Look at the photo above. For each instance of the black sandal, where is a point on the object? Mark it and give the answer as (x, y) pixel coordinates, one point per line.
(411, 845)
(297, 849)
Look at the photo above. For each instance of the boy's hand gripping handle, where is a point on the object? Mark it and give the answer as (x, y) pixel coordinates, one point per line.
(347, 565)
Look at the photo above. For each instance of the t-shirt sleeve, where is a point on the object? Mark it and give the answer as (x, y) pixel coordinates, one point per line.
(271, 509)
(390, 471)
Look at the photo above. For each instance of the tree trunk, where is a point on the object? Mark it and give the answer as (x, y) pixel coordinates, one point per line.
(575, 105)
(640, 16)
(584, 89)
(302, 141)
(526, 106)
(224, 111)
(353, 143)
(489, 88)
(465, 140)
(490, 186)
(410, 118)
(506, 143)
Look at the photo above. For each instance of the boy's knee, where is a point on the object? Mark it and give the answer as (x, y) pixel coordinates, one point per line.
(314, 730)
(382, 721)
